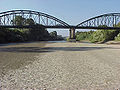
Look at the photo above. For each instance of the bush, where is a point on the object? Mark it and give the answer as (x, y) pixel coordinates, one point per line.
(98, 36)
(68, 39)
(117, 38)
(103, 35)
(83, 35)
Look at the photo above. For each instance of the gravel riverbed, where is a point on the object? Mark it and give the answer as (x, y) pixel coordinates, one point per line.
(59, 66)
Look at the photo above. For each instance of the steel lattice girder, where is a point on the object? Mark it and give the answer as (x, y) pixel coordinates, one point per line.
(110, 20)
(38, 17)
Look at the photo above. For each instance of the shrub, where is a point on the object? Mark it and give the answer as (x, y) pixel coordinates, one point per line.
(117, 38)
(83, 35)
(103, 35)
(68, 39)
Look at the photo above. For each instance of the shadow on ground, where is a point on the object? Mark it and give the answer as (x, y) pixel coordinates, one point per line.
(50, 49)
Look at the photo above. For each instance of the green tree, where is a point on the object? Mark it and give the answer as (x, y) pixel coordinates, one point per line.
(29, 22)
(104, 35)
(83, 35)
(18, 20)
(53, 34)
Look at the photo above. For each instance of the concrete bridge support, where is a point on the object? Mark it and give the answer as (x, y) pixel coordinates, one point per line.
(72, 33)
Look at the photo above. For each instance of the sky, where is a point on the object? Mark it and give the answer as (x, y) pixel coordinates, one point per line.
(71, 11)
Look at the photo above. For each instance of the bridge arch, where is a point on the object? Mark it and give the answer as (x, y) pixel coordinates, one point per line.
(109, 20)
(39, 18)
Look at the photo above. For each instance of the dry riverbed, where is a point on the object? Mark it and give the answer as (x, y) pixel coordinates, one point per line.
(59, 66)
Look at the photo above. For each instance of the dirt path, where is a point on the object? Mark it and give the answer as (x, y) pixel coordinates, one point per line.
(60, 66)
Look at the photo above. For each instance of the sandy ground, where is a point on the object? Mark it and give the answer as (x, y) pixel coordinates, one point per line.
(60, 66)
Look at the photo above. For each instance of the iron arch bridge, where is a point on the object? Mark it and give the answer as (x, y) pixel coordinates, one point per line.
(38, 17)
(109, 21)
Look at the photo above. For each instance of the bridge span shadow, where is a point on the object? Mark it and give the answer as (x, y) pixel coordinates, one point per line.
(50, 49)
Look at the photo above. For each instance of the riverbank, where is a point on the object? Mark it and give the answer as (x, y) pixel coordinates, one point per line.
(113, 42)
(69, 66)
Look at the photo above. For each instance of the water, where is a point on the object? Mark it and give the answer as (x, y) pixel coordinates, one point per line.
(63, 41)
(6, 44)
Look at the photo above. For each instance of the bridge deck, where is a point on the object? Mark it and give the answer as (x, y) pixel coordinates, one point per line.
(61, 27)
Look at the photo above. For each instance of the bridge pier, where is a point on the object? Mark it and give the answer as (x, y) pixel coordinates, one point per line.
(72, 33)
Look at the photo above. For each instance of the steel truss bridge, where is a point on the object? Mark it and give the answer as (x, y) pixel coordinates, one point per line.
(109, 21)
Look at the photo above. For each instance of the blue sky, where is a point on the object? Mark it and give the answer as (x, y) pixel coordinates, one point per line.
(71, 11)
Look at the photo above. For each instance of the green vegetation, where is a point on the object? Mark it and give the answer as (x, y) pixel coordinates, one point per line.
(117, 38)
(22, 35)
(83, 35)
(54, 36)
(68, 39)
(103, 35)
(99, 35)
